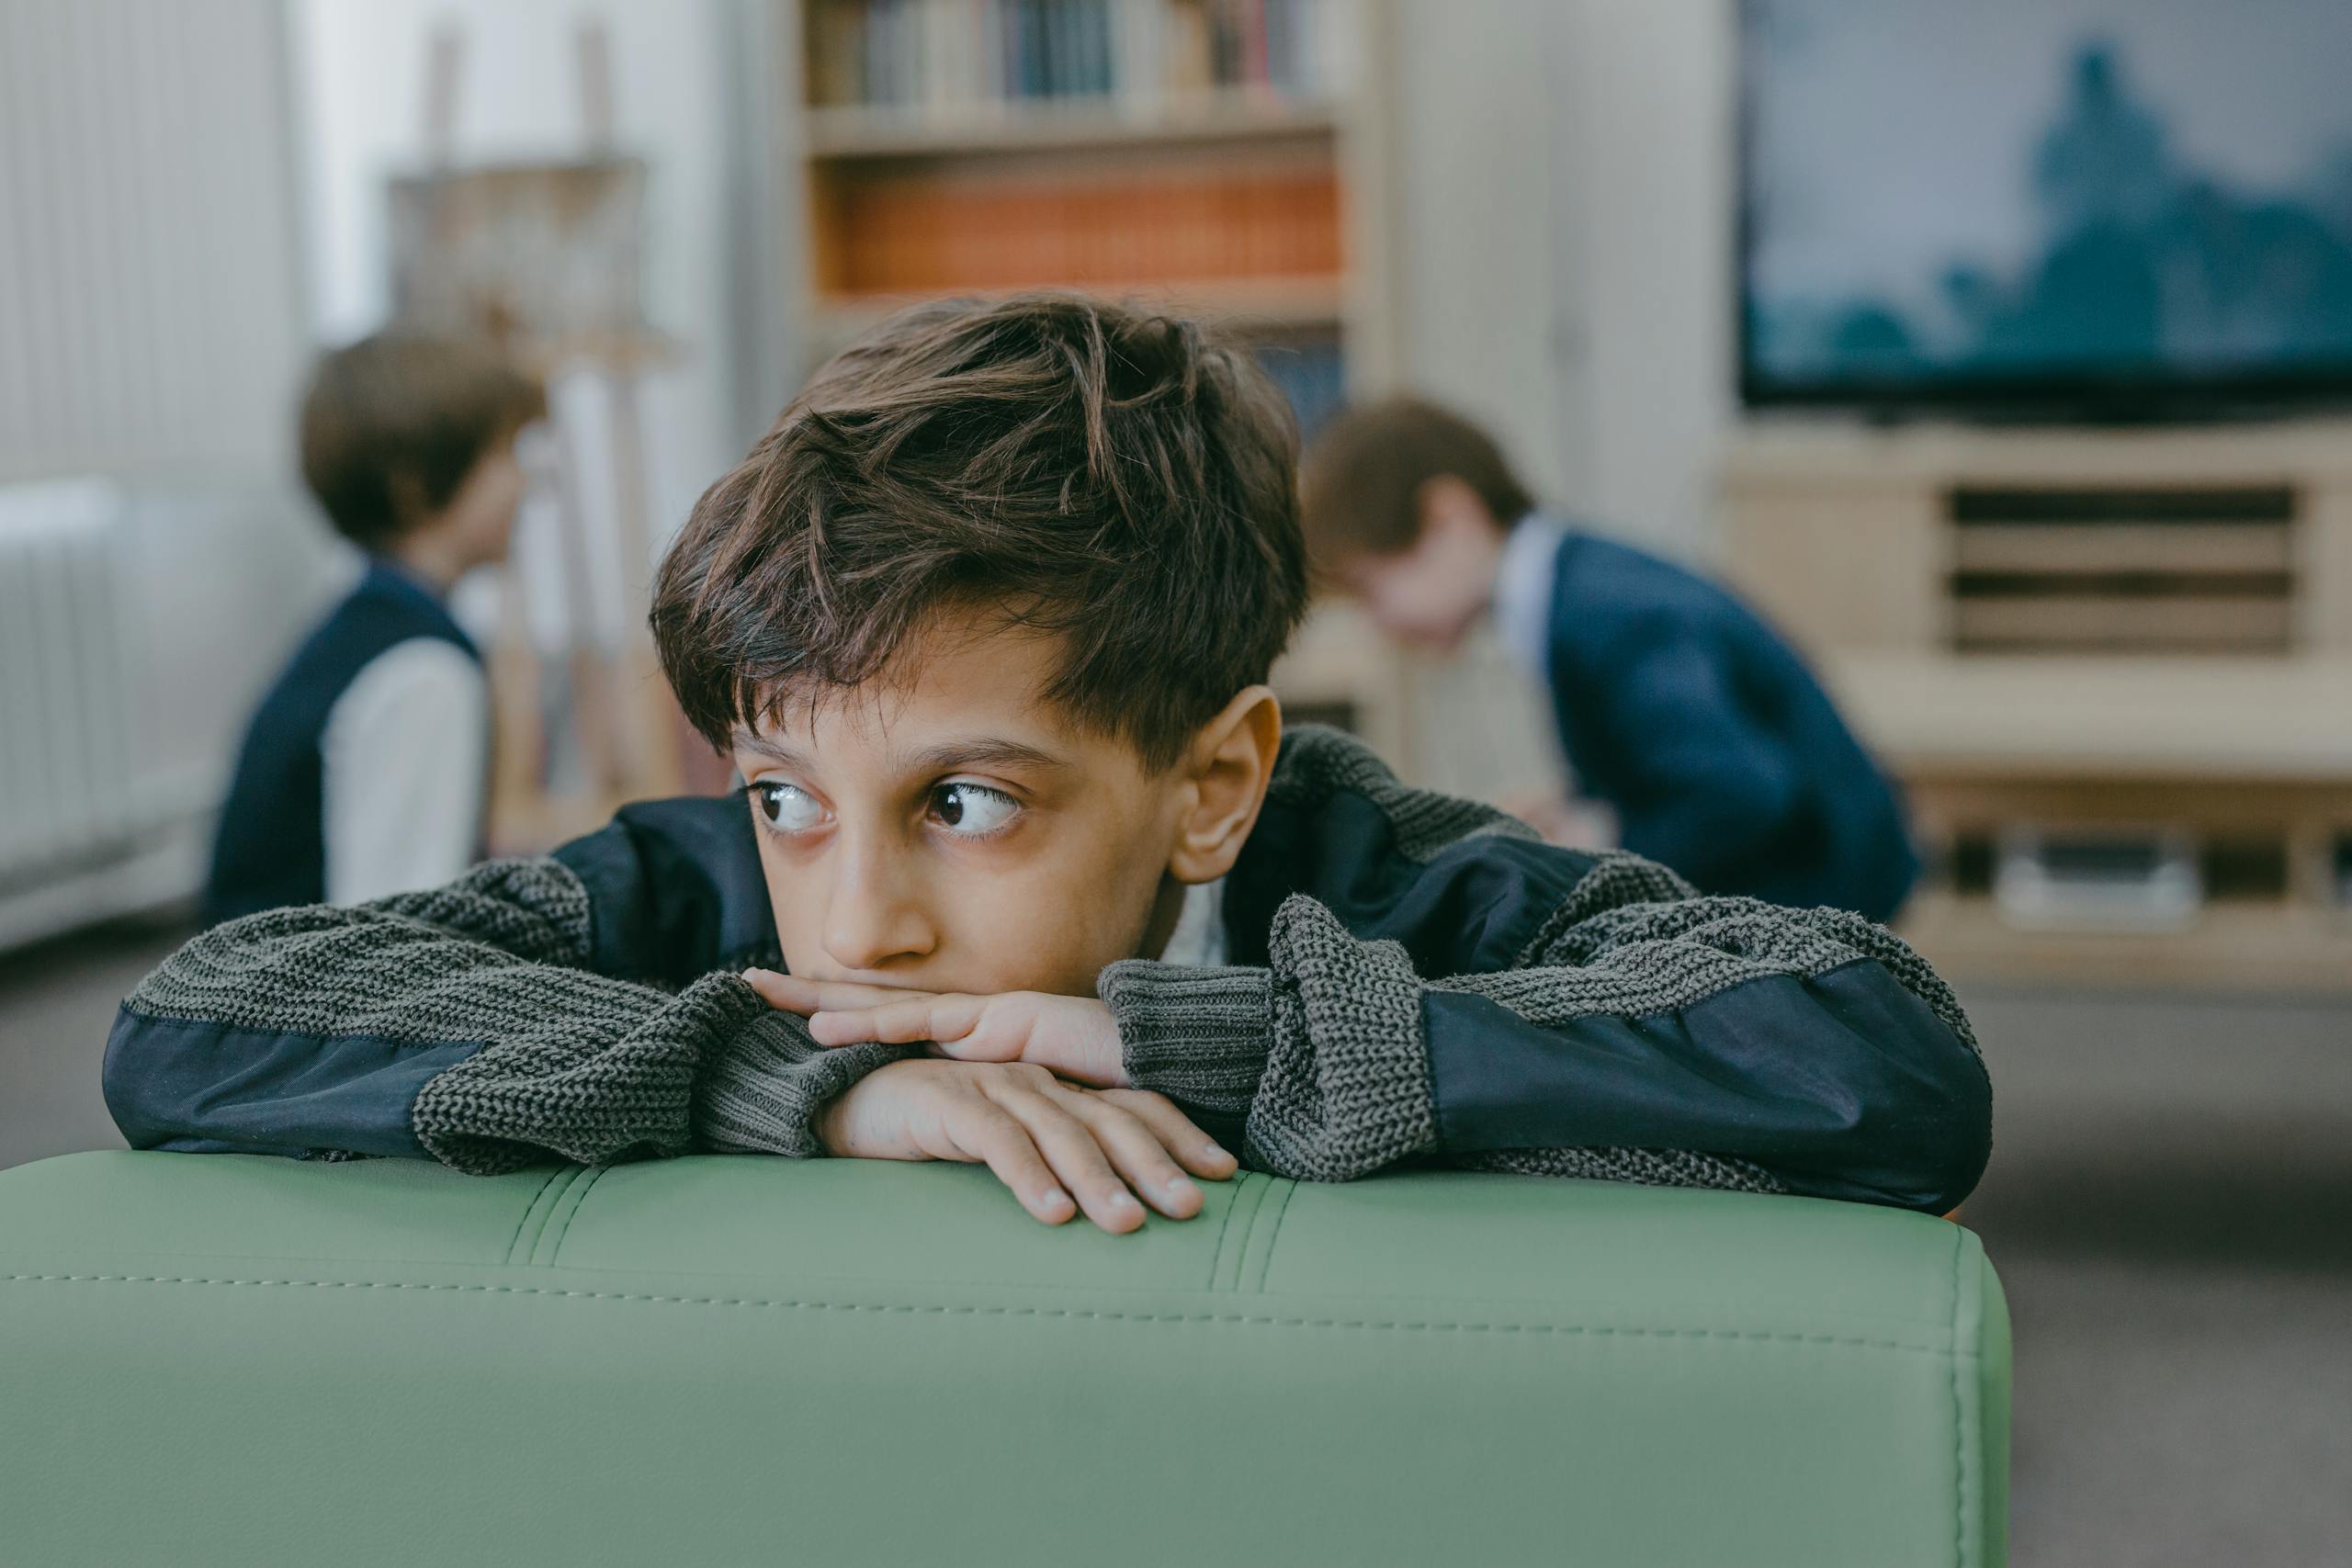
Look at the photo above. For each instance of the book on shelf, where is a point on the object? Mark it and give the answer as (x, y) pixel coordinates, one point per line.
(932, 232)
(942, 58)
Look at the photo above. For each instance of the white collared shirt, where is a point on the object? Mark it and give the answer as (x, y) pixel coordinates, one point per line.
(405, 771)
(1198, 941)
(1524, 578)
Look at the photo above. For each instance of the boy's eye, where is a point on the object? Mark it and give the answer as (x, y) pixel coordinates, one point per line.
(972, 810)
(787, 807)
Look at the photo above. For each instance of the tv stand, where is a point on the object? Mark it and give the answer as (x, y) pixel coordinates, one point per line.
(2105, 631)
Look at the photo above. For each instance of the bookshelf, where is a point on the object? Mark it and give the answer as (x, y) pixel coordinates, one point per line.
(1228, 158)
(853, 131)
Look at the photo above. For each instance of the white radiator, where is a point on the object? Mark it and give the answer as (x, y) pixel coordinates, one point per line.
(151, 327)
(149, 286)
(136, 625)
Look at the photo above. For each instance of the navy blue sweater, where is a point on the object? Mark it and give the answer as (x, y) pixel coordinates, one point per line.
(1721, 753)
(270, 848)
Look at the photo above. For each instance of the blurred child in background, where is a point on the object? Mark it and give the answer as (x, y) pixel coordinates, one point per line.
(1706, 738)
(366, 770)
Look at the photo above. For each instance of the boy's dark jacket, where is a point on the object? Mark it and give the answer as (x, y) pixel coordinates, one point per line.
(1718, 748)
(1413, 977)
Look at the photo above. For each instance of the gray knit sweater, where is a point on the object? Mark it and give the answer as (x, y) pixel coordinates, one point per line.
(473, 1023)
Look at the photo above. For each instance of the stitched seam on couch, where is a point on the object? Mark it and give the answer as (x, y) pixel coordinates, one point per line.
(1249, 1233)
(541, 1202)
(1274, 1235)
(1408, 1326)
(1959, 1419)
(573, 1197)
(1250, 1191)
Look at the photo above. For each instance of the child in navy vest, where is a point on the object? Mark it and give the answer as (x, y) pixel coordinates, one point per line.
(1679, 710)
(365, 771)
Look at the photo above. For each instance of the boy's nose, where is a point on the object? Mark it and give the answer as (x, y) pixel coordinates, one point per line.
(871, 920)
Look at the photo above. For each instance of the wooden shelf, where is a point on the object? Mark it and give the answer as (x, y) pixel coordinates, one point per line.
(1071, 125)
(1861, 545)
(2223, 719)
(1814, 454)
(2249, 946)
(839, 154)
(1313, 273)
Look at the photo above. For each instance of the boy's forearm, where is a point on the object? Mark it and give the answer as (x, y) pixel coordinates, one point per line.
(712, 1068)
(1320, 1052)
(1199, 1036)
(458, 1025)
(1716, 1042)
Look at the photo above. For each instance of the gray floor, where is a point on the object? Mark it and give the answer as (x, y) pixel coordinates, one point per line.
(56, 1001)
(2170, 1206)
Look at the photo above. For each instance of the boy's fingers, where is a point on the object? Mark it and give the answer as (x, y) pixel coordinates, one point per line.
(1069, 1149)
(1193, 1149)
(946, 1019)
(979, 1029)
(1135, 1151)
(795, 993)
(996, 1139)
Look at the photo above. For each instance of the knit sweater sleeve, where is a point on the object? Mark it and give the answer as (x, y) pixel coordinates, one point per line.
(1644, 1034)
(463, 1023)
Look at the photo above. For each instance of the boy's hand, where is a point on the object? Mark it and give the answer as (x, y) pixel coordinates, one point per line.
(1073, 1037)
(1044, 1138)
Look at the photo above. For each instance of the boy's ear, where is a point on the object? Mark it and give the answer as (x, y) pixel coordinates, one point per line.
(1227, 768)
(404, 490)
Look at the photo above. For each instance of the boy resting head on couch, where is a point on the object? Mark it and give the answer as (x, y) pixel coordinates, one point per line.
(1025, 870)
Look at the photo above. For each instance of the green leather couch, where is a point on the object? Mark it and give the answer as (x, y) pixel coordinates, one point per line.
(234, 1359)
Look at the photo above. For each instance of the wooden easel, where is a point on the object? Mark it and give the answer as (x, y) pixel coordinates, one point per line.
(622, 720)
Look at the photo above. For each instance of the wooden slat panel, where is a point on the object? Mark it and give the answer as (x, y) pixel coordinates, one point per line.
(1974, 504)
(2325, 571)
(2054, 623)
(2117, 547)
(2150, 587)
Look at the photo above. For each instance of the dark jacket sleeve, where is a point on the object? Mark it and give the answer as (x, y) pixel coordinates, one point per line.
(471, 1024)
(1642, 1033)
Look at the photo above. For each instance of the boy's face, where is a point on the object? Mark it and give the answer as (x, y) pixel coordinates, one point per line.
(478, 522)
(1429, 594)
(948, 830)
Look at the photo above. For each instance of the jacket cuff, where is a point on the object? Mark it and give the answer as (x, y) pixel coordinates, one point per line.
(1347, 1086)
(765, 1085)
(1197, 1035)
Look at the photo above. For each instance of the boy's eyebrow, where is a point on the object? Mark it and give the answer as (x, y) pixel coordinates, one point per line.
(946, 756)
(984, 750)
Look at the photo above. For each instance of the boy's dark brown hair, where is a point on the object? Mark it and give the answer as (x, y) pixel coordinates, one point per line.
(1121, 480)
(1365, 477)
(392, 423)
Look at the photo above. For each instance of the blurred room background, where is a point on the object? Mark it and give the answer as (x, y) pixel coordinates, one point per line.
(2005, 361)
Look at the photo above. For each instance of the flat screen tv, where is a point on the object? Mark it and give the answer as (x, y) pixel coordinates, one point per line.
(2059, 208)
